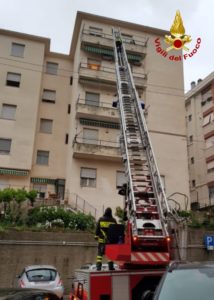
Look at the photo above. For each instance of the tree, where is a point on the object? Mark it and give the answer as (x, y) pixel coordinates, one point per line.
(31, 195)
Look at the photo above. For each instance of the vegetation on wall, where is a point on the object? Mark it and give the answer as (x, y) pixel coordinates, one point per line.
(18, 211)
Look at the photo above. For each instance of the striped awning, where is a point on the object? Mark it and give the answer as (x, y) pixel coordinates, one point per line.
(15, 172)
(42, 180)
(99, 123)
(109, 52)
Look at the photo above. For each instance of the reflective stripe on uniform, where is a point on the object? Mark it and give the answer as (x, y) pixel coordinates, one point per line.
(105, 224)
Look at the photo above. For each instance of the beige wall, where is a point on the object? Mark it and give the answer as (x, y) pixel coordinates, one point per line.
(198, 149)
(58, 112)
(26, 97)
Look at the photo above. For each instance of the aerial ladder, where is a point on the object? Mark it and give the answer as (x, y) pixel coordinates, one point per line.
(142, 246)
(146, 240)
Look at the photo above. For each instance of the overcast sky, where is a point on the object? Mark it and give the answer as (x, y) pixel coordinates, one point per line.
(55, 19)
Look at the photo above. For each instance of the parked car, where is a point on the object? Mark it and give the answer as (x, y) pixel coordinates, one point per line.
(185, 281)
(26, 294)
(41, 277)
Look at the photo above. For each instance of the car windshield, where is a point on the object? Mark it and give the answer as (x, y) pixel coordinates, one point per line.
(41, 275)
(186, 284)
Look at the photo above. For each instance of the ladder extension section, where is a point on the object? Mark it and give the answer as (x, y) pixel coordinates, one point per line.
(146, 203)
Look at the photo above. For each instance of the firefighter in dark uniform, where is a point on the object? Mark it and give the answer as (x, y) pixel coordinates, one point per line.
(118, 42)
(101, 235)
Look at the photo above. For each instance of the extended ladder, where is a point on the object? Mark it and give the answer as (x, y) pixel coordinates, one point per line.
(145, 202)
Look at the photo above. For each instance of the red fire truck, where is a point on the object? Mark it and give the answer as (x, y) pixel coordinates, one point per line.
(142, 246)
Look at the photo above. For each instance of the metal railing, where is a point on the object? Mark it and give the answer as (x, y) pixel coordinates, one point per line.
(95, 142)
(128, 40)
(108, 70)
(94, 103)
(79, 204)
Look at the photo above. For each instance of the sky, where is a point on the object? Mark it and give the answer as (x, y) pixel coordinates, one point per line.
(55, 19)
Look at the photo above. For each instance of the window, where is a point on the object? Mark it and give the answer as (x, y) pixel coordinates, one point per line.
(66, 138)
(120, 179)
(5, 145)
(8, 111)
(51, 68)
(208, 119)
(88, 177)
(190, 118)
(210, 166)
(41, 189)
(192, 160)
(193, 183)
(92, 99)
(94, 64)
(71, 80)
(46, 125)
(211, 193)
(42, 157)
(90, 136)
(209, 142)
(69, 109)
(13, 79)
(17, 50)
(191, 138)
(49, 96)
(95, 31)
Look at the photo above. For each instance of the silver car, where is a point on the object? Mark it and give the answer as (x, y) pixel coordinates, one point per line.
(41, 277)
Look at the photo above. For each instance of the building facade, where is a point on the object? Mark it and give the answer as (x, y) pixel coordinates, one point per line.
(59, 133)
(200, 132)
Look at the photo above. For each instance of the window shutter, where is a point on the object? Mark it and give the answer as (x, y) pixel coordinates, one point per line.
(90, 136)
(88, 173)
(92, 99)
(5, 145)
(8, 111)
(17, 50)
(13, 77)
(121, 178)
(46, 125)
(49, 95)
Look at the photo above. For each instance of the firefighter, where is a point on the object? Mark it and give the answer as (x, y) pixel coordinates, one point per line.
(102, 236)
(118, 41)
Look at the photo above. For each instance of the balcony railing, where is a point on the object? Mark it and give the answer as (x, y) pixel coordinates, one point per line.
(93, 148)
(96, 110)
(133, 44)
(105, 74)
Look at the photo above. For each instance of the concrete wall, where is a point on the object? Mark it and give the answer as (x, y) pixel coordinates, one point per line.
(65, 251)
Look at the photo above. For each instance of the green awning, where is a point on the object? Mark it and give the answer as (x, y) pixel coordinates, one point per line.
(99, 123)
(42, 180)
(13, 172)
(109, 52)
(99, 50)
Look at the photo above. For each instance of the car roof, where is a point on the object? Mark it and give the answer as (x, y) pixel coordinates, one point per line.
(176, 265)
(15, 291)
(34, 267)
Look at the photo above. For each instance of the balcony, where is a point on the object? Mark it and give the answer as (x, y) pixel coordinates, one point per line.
(99, 74)
(208, 128)
(132, 44)
(96, 149)
(209, 151)
(96, 110)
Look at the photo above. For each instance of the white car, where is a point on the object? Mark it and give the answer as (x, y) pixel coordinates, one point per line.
(43, 277)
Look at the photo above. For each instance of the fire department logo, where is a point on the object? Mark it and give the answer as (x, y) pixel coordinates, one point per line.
(178, 38)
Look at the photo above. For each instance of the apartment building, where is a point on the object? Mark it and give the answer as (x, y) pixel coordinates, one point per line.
(200, 130)
(59, 132)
